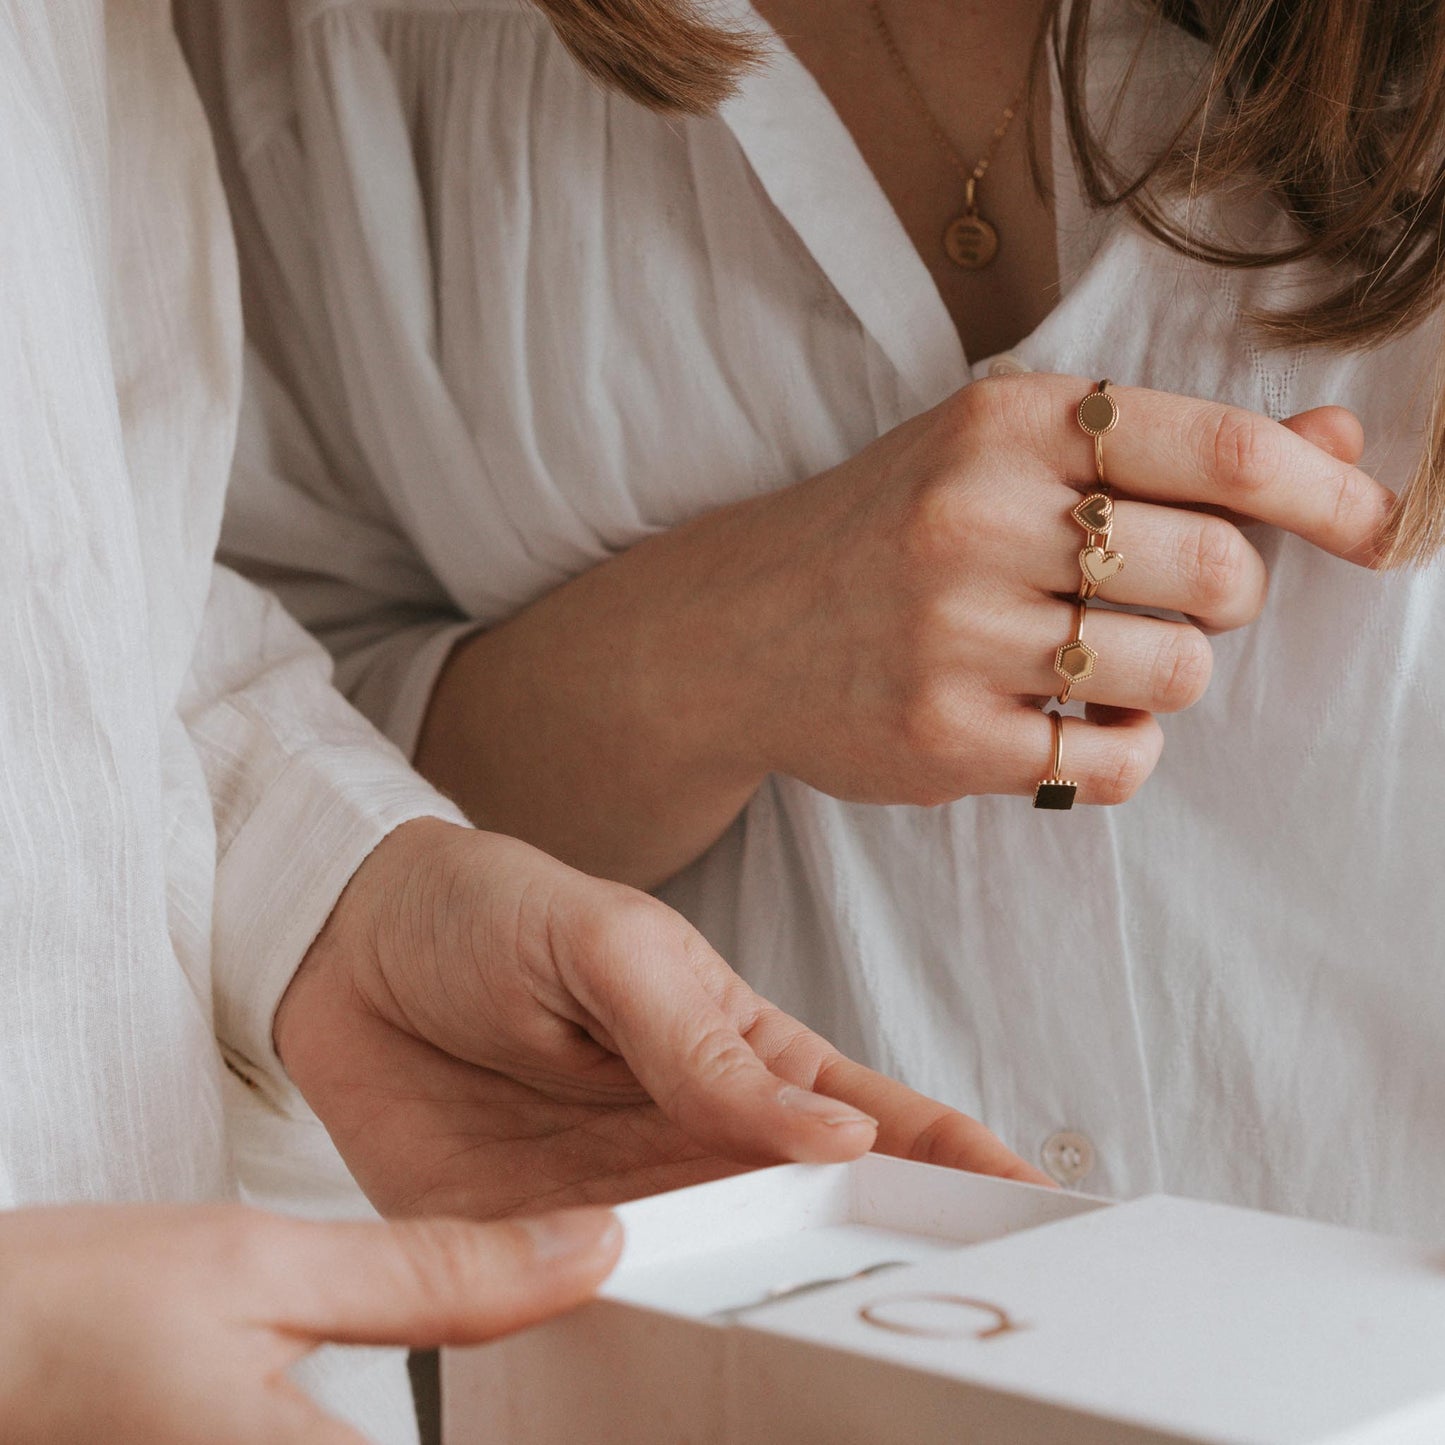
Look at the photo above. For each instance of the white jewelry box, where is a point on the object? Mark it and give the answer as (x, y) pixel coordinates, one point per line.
(1009, 1315)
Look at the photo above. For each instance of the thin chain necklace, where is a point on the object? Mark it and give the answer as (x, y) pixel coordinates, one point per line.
(969, 241)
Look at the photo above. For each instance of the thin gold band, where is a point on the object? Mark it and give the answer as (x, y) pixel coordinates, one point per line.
(1056, 792)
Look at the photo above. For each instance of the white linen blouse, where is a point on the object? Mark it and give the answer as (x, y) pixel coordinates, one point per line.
(506, 324)
(183, 795)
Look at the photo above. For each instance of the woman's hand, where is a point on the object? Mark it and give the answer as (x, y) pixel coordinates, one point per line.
(485, 1031)
(145, 1325)
(927, 583)
(886, 631)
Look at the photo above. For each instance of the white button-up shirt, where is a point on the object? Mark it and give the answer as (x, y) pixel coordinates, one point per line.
(182, 794)
(509, 324)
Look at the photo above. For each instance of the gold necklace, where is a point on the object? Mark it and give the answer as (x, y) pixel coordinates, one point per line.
(969, 241)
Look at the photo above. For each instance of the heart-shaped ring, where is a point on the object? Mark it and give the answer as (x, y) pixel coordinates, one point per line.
(1095, 513)
(1099, 565)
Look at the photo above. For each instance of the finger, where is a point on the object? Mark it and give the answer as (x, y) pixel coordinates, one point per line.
(910, 1125)
(1109, 755)
(429, 1282)
(1142, 663)
(1173, 559)
(1175, 449)
(672, 1005)
(1331, 428)
(924, 1130)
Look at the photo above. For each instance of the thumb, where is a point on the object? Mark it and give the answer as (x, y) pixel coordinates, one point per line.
(430, 1282)
(1332, 429)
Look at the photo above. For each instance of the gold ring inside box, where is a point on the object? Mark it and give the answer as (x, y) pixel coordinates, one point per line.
(874, 1314)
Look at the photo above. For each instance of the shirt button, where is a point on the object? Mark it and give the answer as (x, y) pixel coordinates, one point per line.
(1068, 1157)
(1007, 365)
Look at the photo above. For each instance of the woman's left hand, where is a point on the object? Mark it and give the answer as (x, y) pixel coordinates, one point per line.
(484, 1030)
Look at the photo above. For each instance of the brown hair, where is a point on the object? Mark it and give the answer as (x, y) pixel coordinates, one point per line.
(1337, 107)
(667, 54)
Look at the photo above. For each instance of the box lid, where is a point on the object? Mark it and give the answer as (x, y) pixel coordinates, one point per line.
(1201, 1321)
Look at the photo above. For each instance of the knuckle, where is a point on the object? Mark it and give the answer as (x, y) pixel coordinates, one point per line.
(1243, 451)
(936, 527)
(244, 1241)
(1346, 504)
(941, 727)
(439, 1255)
(1127, 771)
(625, 923)
(930, 725)
(1182, 670)
(716, 1055)
(1217, 563)
(979, 403)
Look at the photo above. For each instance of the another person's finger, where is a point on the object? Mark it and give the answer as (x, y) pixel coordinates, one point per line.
(428, 1282)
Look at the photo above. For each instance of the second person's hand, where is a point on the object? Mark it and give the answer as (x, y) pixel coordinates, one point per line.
(485, 1031)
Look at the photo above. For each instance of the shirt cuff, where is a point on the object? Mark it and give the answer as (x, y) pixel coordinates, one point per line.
(279, 880)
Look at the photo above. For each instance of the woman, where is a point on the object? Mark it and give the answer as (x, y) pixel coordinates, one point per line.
(597, 444)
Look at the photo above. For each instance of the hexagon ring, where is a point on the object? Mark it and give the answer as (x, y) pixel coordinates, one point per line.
(1074, 661)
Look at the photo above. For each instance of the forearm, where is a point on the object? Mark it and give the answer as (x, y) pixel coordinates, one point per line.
(618, 722)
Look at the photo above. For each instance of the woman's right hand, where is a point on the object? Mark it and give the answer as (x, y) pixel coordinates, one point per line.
(908, 604)
(886, 631)
(151, 1325)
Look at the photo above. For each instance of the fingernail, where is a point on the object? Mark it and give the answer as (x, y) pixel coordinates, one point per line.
(571, 1231)
(822, 1108)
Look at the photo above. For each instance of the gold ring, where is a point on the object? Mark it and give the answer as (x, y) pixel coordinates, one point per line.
(1055, 791)
(1098, 415)
(1074, 661)
(873, 1314)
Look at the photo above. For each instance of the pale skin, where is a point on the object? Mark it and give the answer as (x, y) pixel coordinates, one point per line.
(484, 1032)
(885, 631)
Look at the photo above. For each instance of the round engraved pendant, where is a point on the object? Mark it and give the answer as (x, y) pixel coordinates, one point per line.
(971, 243)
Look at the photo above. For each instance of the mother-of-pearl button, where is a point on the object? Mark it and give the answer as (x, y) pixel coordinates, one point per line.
(1068, 1156)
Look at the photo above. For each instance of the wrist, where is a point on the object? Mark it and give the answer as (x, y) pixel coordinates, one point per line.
(716, 657)
(382, 904)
